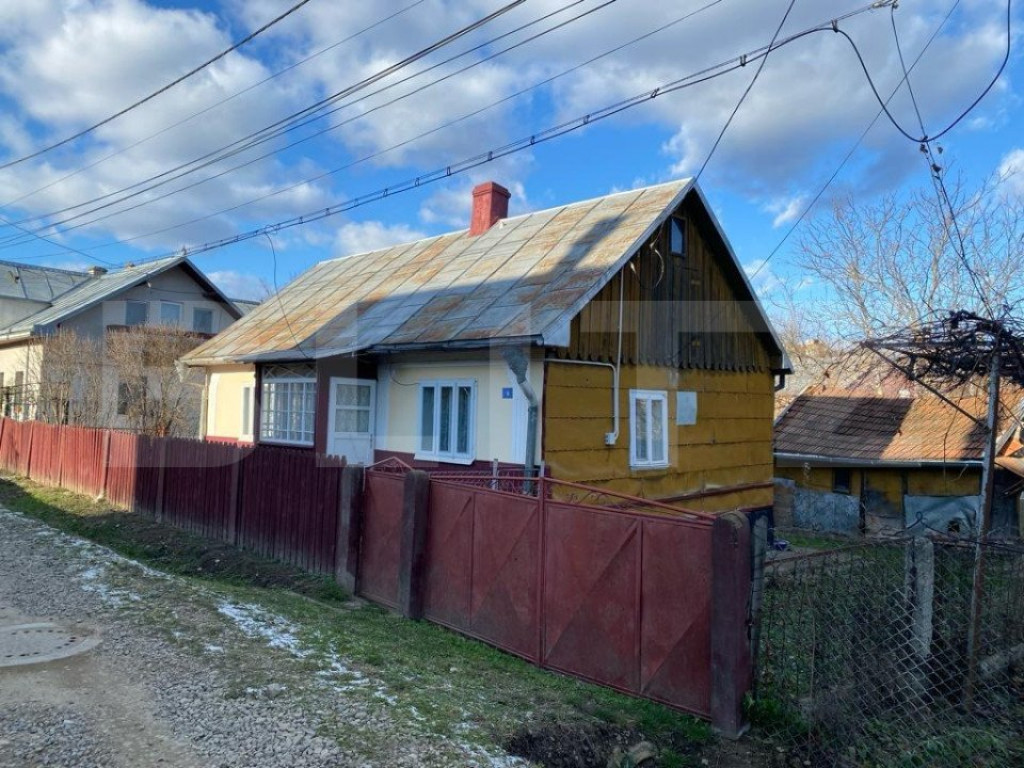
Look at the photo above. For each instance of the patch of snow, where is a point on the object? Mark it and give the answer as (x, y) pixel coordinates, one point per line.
(258, 623)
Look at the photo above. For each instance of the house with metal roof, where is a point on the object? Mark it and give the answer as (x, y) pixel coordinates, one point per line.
(894, 456)
(615, 341)
(39, 303)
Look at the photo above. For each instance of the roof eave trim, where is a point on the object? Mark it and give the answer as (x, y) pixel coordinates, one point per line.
(788, 459)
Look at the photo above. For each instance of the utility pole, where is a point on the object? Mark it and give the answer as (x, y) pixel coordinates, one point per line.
(984, 523)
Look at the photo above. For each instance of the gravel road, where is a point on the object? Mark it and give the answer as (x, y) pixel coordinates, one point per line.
(183, 676)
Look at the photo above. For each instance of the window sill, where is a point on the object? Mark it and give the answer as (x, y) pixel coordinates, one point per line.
(648, 467)
(461, 460)
(285, 443)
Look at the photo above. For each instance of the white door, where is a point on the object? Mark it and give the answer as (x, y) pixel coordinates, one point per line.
(350, 427)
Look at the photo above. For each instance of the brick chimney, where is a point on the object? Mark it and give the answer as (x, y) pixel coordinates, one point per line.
(490, 204)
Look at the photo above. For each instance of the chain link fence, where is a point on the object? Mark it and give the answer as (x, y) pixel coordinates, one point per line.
(906, 652)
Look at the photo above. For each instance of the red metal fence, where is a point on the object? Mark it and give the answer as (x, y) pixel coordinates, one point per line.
(602, 586)
(618, 597)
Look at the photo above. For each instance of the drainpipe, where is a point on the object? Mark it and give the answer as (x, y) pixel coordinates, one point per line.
(610, 438)
(517, 362)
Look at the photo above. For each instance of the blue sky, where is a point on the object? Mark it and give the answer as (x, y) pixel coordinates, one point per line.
(67, 64)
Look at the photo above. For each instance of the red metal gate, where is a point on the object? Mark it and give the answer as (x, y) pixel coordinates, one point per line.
(483, 565)
(602, 592)
(381, 540)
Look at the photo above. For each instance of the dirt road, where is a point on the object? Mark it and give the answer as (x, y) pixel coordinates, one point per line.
(183, 677)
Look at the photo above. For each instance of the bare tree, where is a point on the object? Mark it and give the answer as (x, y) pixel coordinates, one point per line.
(886, 264)
(153, 394)
(68, 374)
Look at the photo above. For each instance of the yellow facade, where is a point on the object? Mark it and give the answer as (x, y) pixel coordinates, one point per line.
(881, 490)
(729, 445)
(224, 418)
(500, 411)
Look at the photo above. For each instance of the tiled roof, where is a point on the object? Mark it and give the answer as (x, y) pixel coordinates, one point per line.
(526, 276)
(858, 424)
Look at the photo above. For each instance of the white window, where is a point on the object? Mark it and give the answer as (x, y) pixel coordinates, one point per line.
(202, 320)
(247, 412)
(288, 408)
(170, 313)
(648, 421)
(446, 421)
(136, 312)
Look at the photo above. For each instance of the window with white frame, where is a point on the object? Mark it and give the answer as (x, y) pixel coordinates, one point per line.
(648, 421)
(247, 412)
(288, 406)
(447, 421)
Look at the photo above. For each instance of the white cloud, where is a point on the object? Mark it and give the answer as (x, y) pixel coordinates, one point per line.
(239, 285)
(1011, 167)
(64, 65)
(360, 237)
(786, 210)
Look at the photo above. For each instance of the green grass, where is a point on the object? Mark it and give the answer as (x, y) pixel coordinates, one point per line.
(441, 682)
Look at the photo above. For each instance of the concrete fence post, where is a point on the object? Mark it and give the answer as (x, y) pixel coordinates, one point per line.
(411, 564)
(731, 658)
(104, 468)
(161, 478)
(350, 528)
(231, 533)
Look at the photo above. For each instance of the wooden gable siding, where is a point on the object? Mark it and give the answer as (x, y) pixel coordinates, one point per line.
(682, 312)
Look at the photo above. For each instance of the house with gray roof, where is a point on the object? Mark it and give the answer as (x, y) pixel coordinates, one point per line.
(616, 341)
(39, 304)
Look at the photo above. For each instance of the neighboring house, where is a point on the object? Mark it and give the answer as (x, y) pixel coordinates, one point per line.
(57, 332)
(887, 458)
(616, 340)
(245, 306)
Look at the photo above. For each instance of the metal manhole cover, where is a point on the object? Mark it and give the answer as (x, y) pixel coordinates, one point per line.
(39, 643)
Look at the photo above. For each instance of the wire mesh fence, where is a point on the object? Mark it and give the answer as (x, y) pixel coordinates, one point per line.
(892, 653)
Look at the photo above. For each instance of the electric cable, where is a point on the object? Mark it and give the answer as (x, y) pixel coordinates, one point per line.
(451, 169)
(158, 92)
(211, 107)
(15, 240)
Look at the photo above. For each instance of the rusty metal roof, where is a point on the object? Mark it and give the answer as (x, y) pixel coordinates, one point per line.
(856, 424)
(522, 280)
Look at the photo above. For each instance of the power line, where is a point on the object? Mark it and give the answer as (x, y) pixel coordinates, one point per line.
(856, 145)
(746, 92)
(935, 171)
(239, 150)
(703, 75)
(279, 128)
(964, 113)
(405, 142)
(158, 92)
(213, 106)
(521, 144)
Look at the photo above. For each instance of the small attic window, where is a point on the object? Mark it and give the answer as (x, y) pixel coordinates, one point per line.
(677, 236)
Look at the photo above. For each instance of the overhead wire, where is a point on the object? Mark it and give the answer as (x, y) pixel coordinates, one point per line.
(935, 171)
(15, 240)
(746, 92)
(276, 129)
(211, 107)
(177, 81)
(546, 135)
(401, 144)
